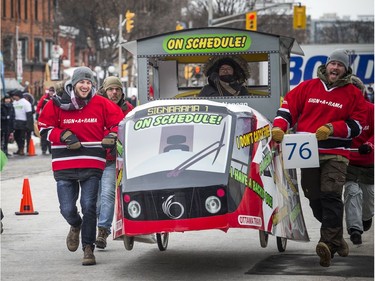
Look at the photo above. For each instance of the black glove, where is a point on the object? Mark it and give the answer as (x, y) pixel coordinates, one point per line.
(109, 141)
(364, 149)
(71, 140)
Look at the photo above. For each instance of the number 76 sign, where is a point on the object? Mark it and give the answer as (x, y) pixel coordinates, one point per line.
(300, 151)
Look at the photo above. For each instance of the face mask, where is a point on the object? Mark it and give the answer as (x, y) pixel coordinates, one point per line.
(227, 78)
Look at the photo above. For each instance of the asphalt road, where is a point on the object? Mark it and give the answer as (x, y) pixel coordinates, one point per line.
(33, 246)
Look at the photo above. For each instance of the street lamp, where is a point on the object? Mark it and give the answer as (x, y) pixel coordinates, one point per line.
(98, 69)
(111, 69)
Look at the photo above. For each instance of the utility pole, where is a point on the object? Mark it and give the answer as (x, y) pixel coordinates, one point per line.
(119, 45)
(210, 13)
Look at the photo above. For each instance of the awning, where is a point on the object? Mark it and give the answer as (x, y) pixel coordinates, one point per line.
(11, 84)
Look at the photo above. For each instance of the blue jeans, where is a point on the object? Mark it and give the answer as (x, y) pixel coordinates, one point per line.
(106, 198)
(68, 192)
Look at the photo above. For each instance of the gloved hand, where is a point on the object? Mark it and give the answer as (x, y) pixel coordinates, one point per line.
(364, 149)
(70, 139)
(109, 141)
(277, 134)
(323, 132)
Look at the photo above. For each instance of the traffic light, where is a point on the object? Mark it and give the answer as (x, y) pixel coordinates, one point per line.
(129, 21)
(124, 72)
(251, 21)
(299, 17)
(179, 26)
(188, 72)
(197, 72)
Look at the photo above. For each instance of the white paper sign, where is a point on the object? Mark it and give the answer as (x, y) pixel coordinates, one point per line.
(300, 151)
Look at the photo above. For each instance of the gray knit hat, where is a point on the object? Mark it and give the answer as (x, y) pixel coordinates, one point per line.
(339, 55)
(82, 73)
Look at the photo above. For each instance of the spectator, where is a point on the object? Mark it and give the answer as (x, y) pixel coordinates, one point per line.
(29, 131)
(76, 117)
(45, 144)
(226, 77)
(7, 122)
(359, 186)
(111, 89)
(23, 120)
(332, 108)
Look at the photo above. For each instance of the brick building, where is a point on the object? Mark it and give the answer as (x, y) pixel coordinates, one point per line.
(32, 22)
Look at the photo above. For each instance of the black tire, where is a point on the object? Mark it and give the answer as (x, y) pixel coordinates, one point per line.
(281, 244)
(162, 239)
(263, 238)
(128, 242)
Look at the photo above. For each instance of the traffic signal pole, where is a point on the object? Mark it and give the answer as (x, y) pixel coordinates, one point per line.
(119, 44)
(234, 18)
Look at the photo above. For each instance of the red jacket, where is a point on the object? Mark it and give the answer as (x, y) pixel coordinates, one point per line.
(367, 137)
(41, 103)
(89, 124)
(311, 105)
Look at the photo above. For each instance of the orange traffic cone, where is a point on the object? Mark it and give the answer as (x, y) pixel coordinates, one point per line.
(26, 207)
(31, 151)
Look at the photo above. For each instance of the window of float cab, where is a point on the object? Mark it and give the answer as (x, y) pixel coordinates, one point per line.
(183, 76)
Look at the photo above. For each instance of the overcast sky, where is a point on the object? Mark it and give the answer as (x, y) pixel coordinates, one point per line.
(317, 8)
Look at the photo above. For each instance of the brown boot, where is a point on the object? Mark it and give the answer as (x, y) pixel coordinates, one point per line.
(72, 240)
(343, 251)
(324, 253)
(88, 256)
(101, 240)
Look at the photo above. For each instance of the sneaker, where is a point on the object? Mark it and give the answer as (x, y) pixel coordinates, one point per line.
(324, 253)
(88, 256)
(72, 240)
(101, 240)
(343, 251)
(367, 224)
(356, 237)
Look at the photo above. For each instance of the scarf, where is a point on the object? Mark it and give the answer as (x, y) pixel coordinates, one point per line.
(69, 101)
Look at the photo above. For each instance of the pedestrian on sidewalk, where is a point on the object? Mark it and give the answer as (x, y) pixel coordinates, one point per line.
(7, 122)
(332, 108)
(359, 186)
(79, 115)
(44, 143)
(113, 90)
(24, 121)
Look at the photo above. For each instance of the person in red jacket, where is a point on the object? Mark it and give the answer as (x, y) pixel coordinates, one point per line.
(332, 108)
(44, 143)
(359, 186)
(76, 117)
(111, 89)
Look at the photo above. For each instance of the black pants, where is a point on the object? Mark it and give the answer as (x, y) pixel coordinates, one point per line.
(19, 137)
(4, 140)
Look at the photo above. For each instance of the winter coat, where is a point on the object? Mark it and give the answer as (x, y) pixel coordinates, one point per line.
(7, 117)
(88, 119)
(314, 103)
(367, 137)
